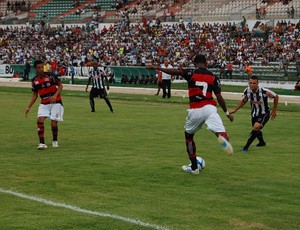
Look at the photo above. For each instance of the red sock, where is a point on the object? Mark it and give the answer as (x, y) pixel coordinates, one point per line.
(40, 130)
(223, 134)
(191, 150)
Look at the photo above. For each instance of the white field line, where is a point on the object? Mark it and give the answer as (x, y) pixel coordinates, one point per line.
(77, 209)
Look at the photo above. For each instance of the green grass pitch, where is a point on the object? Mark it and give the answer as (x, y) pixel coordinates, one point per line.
(128, 164)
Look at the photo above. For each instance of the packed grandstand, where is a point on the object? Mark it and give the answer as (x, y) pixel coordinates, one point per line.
(260, 33)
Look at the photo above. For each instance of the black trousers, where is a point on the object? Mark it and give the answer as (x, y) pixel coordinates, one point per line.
(166, 86)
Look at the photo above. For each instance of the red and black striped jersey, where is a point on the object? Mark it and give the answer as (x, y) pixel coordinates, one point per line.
(46, 87)
(202, 83)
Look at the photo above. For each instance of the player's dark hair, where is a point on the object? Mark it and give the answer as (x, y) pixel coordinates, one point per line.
(37, 62)
(254, 77)
(200, 58)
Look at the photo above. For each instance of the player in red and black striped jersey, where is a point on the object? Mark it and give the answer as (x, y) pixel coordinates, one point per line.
(260, 111)
(202, 84)
(48, 87)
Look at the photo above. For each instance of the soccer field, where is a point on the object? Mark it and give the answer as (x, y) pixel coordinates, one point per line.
(122, 170)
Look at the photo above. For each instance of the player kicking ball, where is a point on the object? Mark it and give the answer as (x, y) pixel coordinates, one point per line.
(201, 85)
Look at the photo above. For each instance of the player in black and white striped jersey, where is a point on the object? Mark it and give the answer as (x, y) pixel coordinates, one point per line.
(260, 111)
(97, 75)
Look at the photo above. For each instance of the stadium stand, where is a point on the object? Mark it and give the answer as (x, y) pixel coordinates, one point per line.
(172, 10)
(54, 9)
(107, 5)
(242, 37)
(231, 10)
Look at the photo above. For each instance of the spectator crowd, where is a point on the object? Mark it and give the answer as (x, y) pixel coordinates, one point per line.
(148, 42)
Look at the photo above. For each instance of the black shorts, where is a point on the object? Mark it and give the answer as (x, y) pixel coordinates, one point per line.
(263, 119)
(98, 93)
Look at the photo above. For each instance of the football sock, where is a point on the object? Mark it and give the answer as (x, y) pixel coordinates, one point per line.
(223, 134)
(252, 137)
(40, 130)
(191, 149)
(54, 132)
(92, 103)
(260, 138)
(223, 139)
(108, 103)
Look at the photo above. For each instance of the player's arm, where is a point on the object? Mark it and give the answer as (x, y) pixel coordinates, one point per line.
(220, 99)
(240, 105)
(165, 70)
(242, 102)
(107, 82)
(58, 91)
(275, 103)
(32, 101)
(89, 81)
(222, 103)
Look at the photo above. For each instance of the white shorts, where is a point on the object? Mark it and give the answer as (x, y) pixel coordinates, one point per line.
(53, 111)
(206, 115)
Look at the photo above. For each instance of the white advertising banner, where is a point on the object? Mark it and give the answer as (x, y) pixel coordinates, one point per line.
(6, 70)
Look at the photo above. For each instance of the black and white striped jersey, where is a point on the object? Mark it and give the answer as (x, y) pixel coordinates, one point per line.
(259, 100)
(98, 77)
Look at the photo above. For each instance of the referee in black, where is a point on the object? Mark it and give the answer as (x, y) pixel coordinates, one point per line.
(260, 111)
(97, 75)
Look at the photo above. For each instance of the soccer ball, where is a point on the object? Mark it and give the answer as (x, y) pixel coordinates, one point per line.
(201, 163)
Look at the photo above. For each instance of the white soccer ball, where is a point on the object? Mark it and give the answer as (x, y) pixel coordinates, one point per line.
(201, 163)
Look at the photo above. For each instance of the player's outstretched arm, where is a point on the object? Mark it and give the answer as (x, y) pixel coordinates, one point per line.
(222, 103)
(242, 103)
(165, 70)
(152, 67)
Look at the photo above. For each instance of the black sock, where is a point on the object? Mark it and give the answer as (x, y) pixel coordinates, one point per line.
(92, 103)
(108, 103)
(252, 137)
(194, 163)
(260, 137)
(191, 149)
(54, 132)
